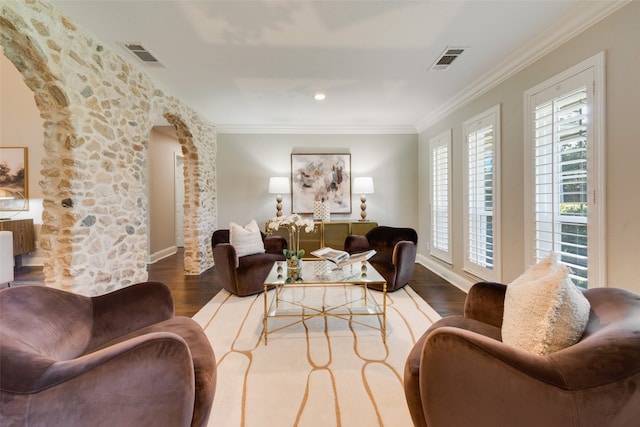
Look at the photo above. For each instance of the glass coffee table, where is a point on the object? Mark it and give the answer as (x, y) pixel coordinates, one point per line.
(320, 288)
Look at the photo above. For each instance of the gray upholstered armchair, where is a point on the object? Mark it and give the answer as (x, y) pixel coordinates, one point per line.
(245, 275)
(120, 359)
(395, 256)
(460, 373)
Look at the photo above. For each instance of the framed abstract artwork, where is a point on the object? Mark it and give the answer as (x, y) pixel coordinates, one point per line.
(14, 179)
(321, 177)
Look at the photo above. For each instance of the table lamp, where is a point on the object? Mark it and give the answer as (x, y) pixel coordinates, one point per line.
(364, 186)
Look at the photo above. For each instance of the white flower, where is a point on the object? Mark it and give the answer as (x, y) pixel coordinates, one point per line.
(294, 222)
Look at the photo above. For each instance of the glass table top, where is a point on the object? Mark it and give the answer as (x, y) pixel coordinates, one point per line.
(324, 272)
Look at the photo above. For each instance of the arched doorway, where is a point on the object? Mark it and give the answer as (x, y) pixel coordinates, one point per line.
(96, 110)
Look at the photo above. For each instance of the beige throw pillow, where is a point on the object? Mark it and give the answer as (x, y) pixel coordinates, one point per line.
(246, 240)
(543, 310)
(538, 271)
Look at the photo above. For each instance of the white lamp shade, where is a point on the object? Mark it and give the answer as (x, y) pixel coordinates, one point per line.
(363, 185)
(278, 185)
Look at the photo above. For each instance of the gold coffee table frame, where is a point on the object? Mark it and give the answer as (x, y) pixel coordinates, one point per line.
(357, 301)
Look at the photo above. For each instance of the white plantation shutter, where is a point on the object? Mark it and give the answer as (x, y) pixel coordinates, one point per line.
(561, 181)
(562, 217)
(440, 148)
(481, 188)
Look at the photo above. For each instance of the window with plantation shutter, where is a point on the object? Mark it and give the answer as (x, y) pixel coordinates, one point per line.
(440, 149)
(562, 174)
(482, 142)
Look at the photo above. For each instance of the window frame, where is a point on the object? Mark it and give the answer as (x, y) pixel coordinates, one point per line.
(592, 70)
(489, 116)
(441, 140)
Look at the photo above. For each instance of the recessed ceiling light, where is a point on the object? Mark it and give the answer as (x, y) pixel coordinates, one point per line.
(319, 96)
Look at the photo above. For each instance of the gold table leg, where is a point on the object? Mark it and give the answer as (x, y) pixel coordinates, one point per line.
(384, 313)
(264, 318)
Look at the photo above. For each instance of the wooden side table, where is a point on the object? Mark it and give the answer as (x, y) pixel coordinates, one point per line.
(23, 237)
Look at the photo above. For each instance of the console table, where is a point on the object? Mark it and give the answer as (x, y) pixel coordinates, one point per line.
(23, 237)
(331, 233)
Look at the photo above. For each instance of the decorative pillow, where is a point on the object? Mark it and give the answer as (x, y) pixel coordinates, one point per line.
(544, 313)
(246, 240)
(538, 271)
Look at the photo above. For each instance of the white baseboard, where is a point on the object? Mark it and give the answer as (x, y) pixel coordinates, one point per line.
(157, 256)
(443, 271)
(32, 261)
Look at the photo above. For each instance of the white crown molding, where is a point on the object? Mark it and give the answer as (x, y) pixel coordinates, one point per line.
(317, 129)
(566, 28)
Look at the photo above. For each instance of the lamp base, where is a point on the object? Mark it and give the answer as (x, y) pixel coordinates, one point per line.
(279, 205)
(363, 208)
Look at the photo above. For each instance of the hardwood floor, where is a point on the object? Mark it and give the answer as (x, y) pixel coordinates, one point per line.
(444, 297)
(190, 293)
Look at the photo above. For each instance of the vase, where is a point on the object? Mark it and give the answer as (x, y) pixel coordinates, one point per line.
(294, 266)
(293, 262)
(322, 211)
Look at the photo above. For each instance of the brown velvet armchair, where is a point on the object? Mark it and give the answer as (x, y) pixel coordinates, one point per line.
(460, 374)
(395, 256)
(245, 275)
(120, 359)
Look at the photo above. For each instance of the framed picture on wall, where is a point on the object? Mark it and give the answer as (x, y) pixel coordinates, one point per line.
(14, 186)
(321, 177)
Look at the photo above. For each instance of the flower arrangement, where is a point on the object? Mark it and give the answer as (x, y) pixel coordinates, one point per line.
(294, 223)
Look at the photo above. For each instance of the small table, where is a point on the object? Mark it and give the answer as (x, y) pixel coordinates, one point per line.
(23, 237)
(293, 296)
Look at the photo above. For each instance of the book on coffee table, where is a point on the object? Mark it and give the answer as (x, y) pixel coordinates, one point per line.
(342, 258)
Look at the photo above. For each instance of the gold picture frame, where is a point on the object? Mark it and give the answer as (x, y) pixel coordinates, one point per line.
(14, 179)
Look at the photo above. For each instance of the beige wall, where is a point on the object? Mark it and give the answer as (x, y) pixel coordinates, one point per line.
(248, 160)
(163, 147)
(618, 36)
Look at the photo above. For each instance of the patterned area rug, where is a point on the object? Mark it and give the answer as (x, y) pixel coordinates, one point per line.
(321, 372)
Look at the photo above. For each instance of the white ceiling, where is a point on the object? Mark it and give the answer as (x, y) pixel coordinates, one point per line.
(255, 65)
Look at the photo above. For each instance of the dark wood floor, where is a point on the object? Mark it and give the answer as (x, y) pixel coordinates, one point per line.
(190, 293)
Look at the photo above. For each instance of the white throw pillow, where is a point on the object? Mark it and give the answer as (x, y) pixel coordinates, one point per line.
(246, 240)
(538, 271)
(544, 313)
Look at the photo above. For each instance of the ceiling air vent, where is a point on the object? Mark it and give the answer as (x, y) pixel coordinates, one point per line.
(447, 57)
(142, 53)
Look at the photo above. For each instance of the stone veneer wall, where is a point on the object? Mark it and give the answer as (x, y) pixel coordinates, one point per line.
(98, 112)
